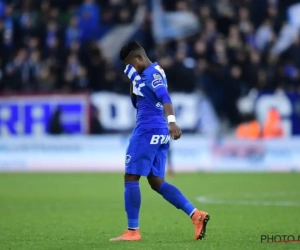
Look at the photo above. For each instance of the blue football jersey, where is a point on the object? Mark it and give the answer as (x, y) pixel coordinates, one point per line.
(150, 111)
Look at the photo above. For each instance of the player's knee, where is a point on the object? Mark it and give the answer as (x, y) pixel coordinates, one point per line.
(131, 177)
(155, 182)
(152, 185)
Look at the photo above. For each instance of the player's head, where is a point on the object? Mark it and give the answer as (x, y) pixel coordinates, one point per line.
(134, 54)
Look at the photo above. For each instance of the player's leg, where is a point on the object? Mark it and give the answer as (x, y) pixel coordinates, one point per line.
(173, 195)
(132, 194)
(138, 163)
(132, 200)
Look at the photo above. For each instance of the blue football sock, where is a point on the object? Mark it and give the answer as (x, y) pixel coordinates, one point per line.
(173, 195)
(132, 198)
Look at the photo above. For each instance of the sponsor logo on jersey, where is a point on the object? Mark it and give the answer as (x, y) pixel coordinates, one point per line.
(159, 105)
(159, 139)
(156, 83)
(157, 76)
(128, 158)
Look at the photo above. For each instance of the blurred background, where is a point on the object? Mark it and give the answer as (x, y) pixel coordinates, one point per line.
(232, 67)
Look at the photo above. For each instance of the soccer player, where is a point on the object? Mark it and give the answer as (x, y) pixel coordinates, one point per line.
(147, 151)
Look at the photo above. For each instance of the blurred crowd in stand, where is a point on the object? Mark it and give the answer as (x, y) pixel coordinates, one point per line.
(242, 45)
(52, 45)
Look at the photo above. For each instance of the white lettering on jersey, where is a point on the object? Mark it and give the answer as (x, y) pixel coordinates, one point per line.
(162, 139)
(154, 139)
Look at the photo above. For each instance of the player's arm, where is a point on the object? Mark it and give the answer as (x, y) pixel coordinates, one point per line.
(164, 97)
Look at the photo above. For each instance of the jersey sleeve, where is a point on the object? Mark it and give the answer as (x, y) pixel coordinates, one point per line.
(157, 82)
(158, 85)
(163, 95)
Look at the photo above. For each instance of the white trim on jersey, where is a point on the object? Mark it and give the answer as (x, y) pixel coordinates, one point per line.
(131, 72)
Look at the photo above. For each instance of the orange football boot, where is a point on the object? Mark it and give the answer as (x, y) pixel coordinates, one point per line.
(200, 219)
(129, 235)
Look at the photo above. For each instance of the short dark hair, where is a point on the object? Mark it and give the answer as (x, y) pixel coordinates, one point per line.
(129, 47)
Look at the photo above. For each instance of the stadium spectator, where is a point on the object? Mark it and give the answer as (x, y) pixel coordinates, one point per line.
(89, 19)
(249, 129)
(96, 126)
(241, 45)
(55, 127)
(272, 127)
(73, 33)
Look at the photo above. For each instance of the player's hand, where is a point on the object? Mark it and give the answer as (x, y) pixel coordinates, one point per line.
(174, 131)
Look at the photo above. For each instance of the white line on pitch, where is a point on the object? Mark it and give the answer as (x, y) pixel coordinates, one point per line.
(211, 200)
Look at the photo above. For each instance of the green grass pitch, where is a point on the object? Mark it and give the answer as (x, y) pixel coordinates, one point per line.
(83, 211)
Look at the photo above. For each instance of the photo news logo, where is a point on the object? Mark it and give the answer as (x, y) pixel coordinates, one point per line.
(284, 238)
